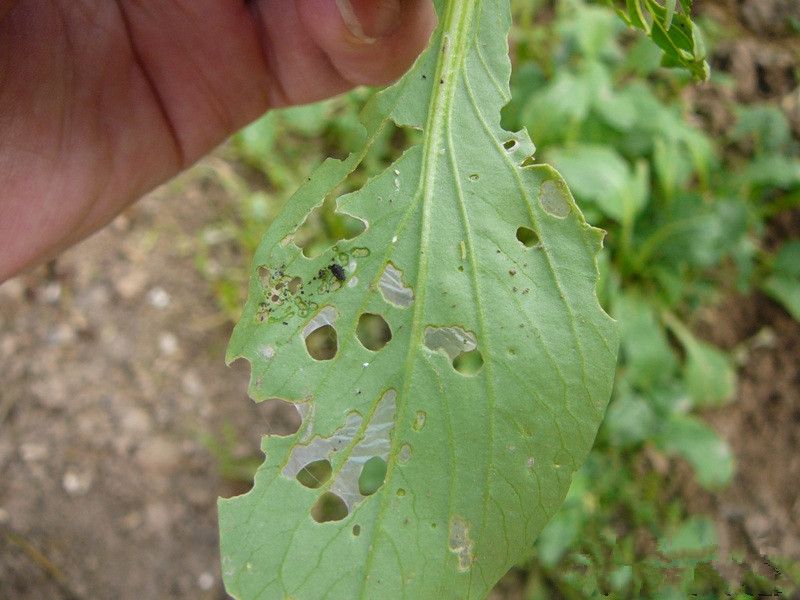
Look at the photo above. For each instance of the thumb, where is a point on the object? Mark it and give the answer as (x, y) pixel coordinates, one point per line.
(370, 42)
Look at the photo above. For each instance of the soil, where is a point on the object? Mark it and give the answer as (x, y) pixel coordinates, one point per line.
(760, 512)
(762, 425)
(112, 379)
(113, 371)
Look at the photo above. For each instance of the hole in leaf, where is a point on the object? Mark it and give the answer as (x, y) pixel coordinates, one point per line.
(510, 145)
(468, 363)
(527, 237)
(282, 417)
(474, 177)
(372, 475)
(373, 331)
(315, 474)
(329, 507)
(528, 162)
(356, 530)
(322, 343)
(324, 226)
(400, 492)
(374, 441)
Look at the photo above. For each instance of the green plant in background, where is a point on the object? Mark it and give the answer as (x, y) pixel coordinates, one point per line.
(678, 223)
(685, 217)
(673, 31)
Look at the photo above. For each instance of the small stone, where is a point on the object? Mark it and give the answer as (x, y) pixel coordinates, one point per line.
(97, 296)
(131, 285)
(159, 298)
(192, 384)
(205, 581)
(121, 223)
(8, 345)
(133, 520)
(13, 289)
(77, 483)
(136, 421)
(4, 516)
(159, 453)
(199, 496)
(61, 334)
(168, 343)
(51, 293)
(32, 452)
(157, 516)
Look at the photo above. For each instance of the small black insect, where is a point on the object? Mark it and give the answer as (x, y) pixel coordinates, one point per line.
(338, 271)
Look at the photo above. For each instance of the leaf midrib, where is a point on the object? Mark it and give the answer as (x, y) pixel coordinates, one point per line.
(454, 32)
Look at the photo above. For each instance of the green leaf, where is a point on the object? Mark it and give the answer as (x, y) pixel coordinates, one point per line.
(630, 420)
(783, 285)
(559, 106)
(648, 359)
(599, 174)
(670, 6)
(765, 127)
(693, 539)
(773, 170)
(700, 445)
(675, 33)
(476, 462)
(257, 139)
(709, 374)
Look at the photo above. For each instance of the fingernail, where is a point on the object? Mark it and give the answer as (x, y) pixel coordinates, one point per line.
(369, 20)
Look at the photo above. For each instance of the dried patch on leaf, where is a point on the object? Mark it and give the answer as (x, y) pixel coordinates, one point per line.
(375, 442)
(461, 544)
(553, 198)
(450, 340)
(392, 288)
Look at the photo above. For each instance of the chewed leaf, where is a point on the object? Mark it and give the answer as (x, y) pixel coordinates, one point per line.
(450, 375)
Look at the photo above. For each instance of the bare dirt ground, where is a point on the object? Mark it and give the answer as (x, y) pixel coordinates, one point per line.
(760, 512)
(112, 371)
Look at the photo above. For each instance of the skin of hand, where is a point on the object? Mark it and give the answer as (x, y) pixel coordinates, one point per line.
(102, 100)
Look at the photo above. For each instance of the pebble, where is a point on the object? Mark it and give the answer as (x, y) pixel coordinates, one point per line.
(97, 296)
(158, 517)
(133, 520)
(131, 285)
(13, 289)
(159, 298)
(159, 453)
(76, 483)
(168, 343)
(192, 384)
(51, 293)
(136, 421)
(205, 581)
(4, 516)
(32, 452)
(61, 334)
(8, 345)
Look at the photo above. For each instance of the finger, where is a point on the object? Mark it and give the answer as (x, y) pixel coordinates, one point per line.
(318, 48)
(369, 42)
(5, 7)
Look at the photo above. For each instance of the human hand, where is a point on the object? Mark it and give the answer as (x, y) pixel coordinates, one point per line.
(102, 100)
